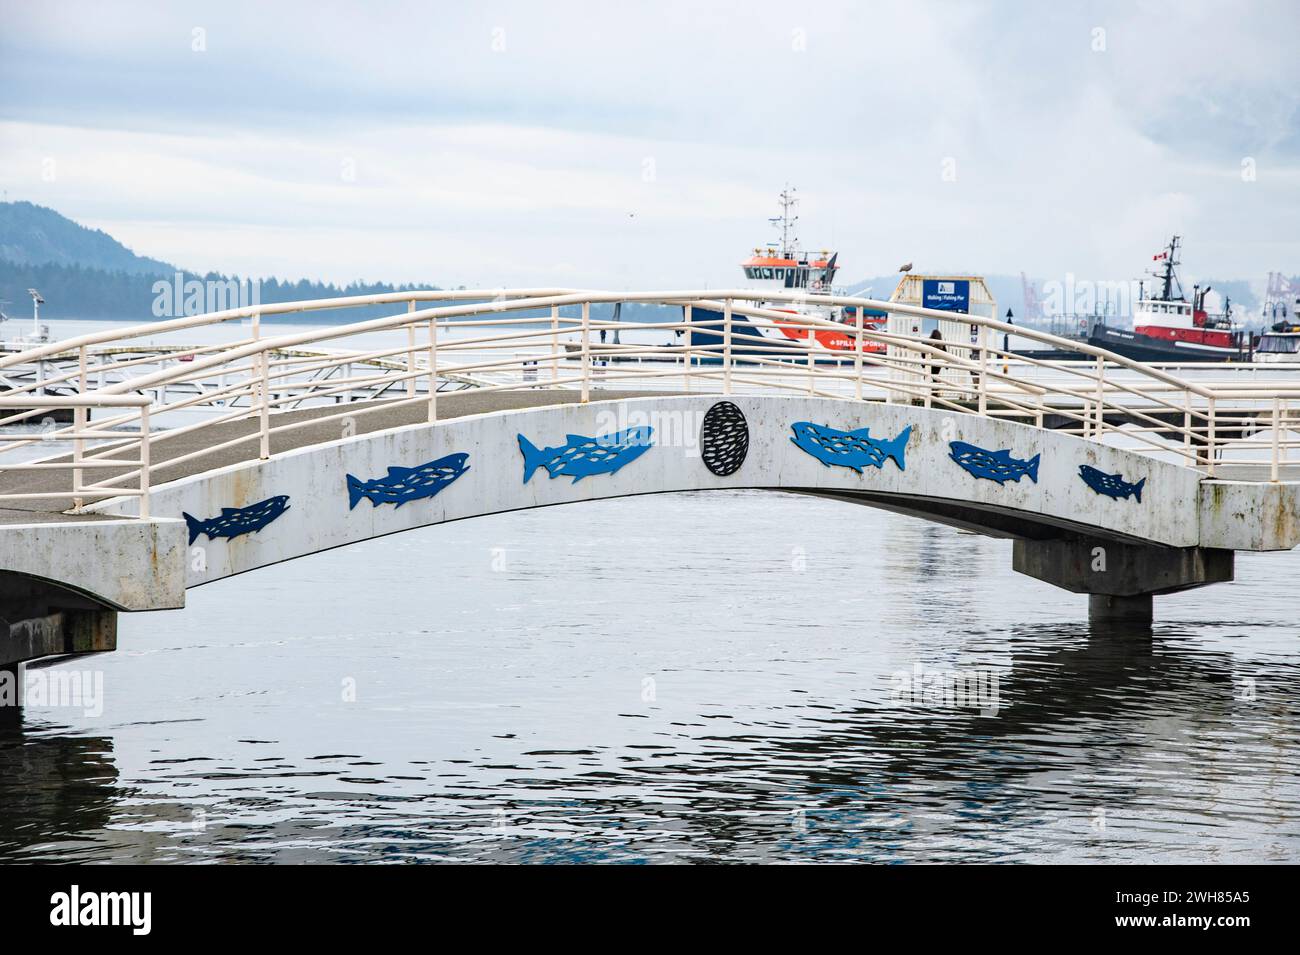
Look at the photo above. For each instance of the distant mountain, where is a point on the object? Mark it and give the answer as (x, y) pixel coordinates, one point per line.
(34, 235)
(86, 273)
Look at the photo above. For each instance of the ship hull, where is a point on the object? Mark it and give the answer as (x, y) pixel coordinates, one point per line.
(1145, 348)
(773, 339)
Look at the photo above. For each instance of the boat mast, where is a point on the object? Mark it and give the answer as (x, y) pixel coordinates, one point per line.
(787, 221)
(1168, 279)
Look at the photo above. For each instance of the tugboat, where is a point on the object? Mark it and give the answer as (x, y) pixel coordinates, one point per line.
(1168, 328)
(788, 268)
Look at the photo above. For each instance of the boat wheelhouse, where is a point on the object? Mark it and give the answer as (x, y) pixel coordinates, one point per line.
(786, 267)
(1279, 344)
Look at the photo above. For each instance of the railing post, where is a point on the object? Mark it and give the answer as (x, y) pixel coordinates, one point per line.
(857, 358)
(686, 355)
(1188, 450)
(586, 351)
(1100, 424)
(555, 343)
(80, 415)
(257, 335)
(1210, 441)
(264, 410)
(144, 461)
(410, 353)
(1277, 432)
(812, 345)
(931, 373)
(1285, 455)
(983, 396)
(264, 396)
(726, 347)
(433, 370)
(78, 425)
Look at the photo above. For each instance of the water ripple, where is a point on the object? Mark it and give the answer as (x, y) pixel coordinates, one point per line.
(714, 677)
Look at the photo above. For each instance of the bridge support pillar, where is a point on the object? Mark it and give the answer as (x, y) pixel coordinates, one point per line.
(11, 696)
(31, 628)
(61, 632)
(1120, 579)
(1139, 610)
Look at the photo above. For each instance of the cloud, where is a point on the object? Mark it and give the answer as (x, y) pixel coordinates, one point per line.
(628, 146)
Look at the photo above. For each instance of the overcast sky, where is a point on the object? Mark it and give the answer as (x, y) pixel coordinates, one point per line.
(626, 145)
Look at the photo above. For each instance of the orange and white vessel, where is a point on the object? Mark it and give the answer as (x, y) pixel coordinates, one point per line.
(788, 268)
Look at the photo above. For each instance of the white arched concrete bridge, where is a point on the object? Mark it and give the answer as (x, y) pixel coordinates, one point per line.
(1116, 480)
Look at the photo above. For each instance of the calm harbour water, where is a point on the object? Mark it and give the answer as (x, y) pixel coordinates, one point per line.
(674, 678)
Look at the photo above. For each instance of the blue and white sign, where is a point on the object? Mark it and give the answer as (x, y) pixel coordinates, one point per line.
(948, 295)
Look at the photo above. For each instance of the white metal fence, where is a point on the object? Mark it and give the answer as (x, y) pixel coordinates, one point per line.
(508, 340)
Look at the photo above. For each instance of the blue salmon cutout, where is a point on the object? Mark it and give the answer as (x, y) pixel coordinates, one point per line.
(583, 456)
(849, 449)
(1112, 485)
(997, 466)
(234, 521)
(408, 484)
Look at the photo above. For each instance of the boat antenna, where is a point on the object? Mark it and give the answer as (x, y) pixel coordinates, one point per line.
(1167, 276)
(787, 221)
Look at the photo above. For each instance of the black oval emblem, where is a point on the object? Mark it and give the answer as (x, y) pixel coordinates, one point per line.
(724, 439)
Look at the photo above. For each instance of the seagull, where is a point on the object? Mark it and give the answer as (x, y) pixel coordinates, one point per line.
(905, 268)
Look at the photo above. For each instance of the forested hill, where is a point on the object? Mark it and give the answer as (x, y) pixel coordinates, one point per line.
(72, 291)
(34, 235)
(86, 273)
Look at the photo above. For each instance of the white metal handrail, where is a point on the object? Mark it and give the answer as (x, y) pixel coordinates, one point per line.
(78, 434)
(512, 339)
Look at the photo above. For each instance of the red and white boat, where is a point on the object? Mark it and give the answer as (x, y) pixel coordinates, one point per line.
(789, 269)
(1169, 328)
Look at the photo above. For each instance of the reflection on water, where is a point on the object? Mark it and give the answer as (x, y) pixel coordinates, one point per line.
(56, 789)
(704, 677)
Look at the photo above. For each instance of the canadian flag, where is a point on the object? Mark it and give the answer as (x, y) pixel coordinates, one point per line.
(1162, 255)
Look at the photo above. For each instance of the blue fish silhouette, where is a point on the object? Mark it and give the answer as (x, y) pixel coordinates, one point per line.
(997, 466)
(849, 449)
(1112, 485)
(408, 484)
(234, 521)
(583, 456)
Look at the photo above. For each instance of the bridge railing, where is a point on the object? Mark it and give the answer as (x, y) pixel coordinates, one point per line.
(75, 466)
(212, 399)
